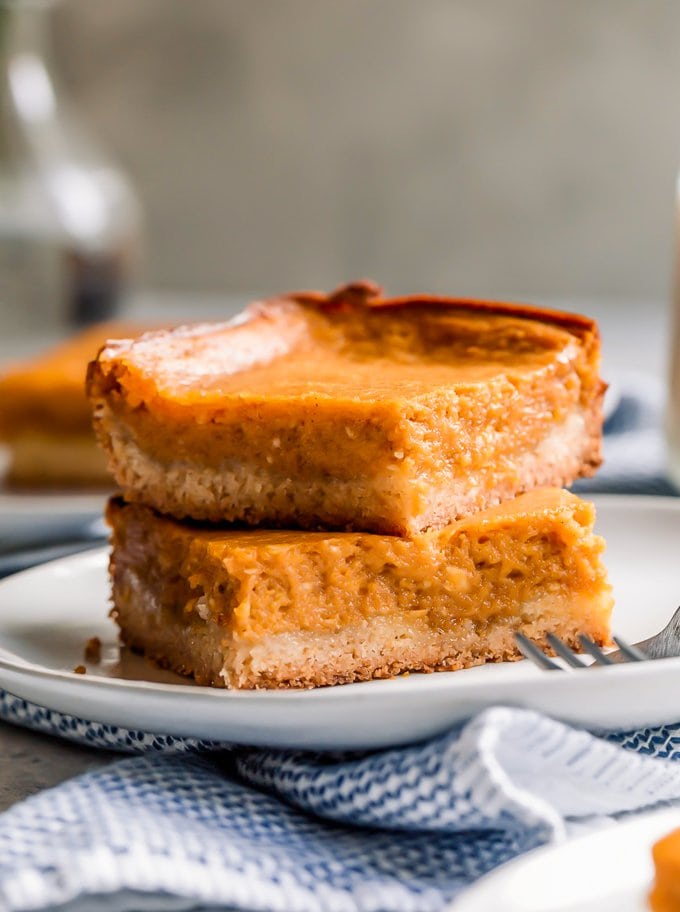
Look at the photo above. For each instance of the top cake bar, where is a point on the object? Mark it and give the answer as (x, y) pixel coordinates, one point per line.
(351, 411)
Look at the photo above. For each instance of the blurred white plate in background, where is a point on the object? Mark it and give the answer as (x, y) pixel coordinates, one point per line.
(46, 516)
(607, 871)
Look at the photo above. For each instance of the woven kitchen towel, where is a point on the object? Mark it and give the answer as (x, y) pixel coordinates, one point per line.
(184, 825)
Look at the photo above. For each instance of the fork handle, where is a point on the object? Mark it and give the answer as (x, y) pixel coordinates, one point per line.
(663, 645)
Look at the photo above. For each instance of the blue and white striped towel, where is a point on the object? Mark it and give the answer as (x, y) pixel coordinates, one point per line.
(184, 824)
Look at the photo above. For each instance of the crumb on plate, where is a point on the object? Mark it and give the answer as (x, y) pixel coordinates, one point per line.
(93, 650)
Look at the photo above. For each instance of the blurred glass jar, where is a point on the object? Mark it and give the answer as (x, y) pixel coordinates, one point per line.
(69, 219)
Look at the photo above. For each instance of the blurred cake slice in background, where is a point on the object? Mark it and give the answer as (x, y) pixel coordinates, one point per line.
(45, 419)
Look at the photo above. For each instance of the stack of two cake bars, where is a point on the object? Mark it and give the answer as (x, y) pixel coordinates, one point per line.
(334, 488)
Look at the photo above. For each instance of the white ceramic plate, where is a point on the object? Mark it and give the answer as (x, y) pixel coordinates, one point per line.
(610, 870)
(47, 614)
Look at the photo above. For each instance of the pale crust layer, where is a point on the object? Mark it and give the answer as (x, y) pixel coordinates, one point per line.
(351, 412)
(379, 648)
(290, 609)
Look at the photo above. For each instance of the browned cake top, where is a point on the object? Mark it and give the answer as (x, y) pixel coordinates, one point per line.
(352, 345)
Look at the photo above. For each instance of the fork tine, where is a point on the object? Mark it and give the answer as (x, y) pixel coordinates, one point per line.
(594, 650)
(565, 652)
(531, 651)
(631, 653)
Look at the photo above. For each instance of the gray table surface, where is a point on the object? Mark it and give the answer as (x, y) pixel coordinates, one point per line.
(635, 338)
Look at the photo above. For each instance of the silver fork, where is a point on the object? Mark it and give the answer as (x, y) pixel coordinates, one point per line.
(663, 645)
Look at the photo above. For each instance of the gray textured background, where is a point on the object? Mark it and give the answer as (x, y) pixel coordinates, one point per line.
(494, 147)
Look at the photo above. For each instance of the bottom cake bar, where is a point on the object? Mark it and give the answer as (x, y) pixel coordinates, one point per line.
(269, 609)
